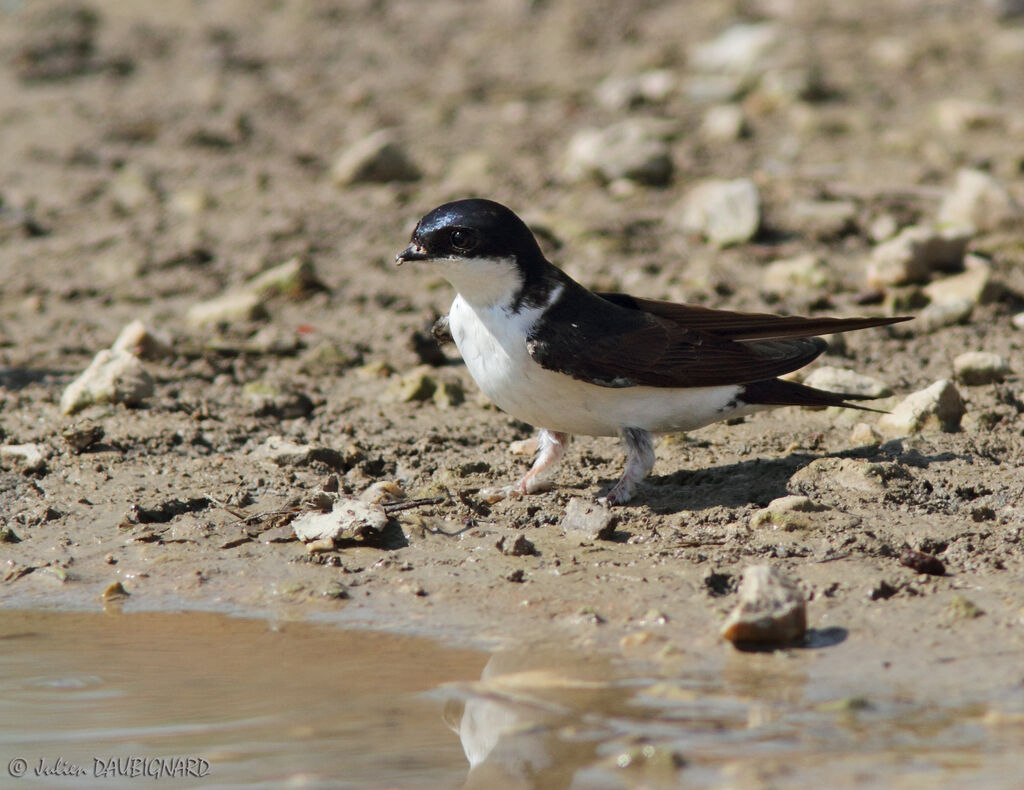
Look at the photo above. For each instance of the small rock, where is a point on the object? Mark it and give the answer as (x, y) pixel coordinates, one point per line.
(942, 314)
(864, 435)
(378, 158)
(882, 590)
(114, 591)
(956, 116)
(723, 123)
(939, 407)
(980, 367)
(623, 93)
(521, 547)
(112, 377)
(847, 381)
(821, 219)
(415, 385)
(8, 535)
(449, 394)
(282, 452)
(771, 609)
(804, 271)
(883, 227)
(962, 608)
(28, 459)
(377, 369)
(789, 513)
(975, 283)
(350, 519)
(136, 338)
(914, 254)
(586, 520)
(631, 149)
(922, 563)
(81, 436)
(978, 201)
(266, 399)
(724, 212)
(382, 492)
(1018, 321)
(741, 49)
(230, 308)
(293, 279)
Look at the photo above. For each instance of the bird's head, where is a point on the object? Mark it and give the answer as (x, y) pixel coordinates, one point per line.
(481, 247)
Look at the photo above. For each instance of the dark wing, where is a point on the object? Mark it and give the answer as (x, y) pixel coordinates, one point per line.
(595, 340)
(746, 326)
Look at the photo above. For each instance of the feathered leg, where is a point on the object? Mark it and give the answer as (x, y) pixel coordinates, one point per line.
(639, 462)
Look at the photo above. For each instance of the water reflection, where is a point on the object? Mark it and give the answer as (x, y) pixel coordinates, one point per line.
(301, 705)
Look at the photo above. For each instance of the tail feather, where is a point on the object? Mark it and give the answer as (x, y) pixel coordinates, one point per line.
(778, 392)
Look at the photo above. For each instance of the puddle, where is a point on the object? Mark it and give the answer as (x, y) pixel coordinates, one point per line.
(218, 702)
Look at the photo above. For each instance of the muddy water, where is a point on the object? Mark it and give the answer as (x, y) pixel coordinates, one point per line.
(204, 700)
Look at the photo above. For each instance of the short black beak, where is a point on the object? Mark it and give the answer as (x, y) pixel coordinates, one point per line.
(414, 252)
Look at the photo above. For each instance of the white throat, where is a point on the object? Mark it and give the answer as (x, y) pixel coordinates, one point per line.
(483, 282)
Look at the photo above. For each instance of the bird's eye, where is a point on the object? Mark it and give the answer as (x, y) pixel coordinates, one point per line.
(462, 240)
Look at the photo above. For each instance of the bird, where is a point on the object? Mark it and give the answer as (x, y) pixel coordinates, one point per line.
(570, 361)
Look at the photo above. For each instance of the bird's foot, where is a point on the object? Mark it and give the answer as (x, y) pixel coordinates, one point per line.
(528, 485)
(639, 462)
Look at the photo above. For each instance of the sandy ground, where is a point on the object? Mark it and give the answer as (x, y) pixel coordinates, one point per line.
(159, 155)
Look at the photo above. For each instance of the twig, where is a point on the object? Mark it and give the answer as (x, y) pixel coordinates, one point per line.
(398, 507)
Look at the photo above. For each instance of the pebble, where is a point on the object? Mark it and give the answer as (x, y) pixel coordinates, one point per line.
(832, 379)
(804, 271)
(293, 279)
(138, 339)
(740, 49)
(939, 407)
(350, 519)
(975, 283)
(978, 201)
(789, 513)
(723, 123)
(963, 608)
(112, 377)
(81, 436)
(25, 458)
(1018, 321)
(980, 367)
(724, 212)
(771, 609)
(956, 116)
(941, 314)
(267, 399)
(230, 308)
(864, 435)
(821, 219)
(632, 149)
(416, 385)
(586, 520)
(922, 563)
(283, 452)
(623, 93)
(114, 591)
(913, 254)
(448, 395)
(521, 546)
(377, 158)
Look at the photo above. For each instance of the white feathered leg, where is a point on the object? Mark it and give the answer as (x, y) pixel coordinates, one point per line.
(639, 463)
(552, 445)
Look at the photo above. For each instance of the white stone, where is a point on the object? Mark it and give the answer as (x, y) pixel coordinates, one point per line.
(804, 271)
(622, 93)
(231, 307)
(26, 458)
(725, 212)
(915, 253)
(138, 339)
(938, 407)
(112, 377)
(378, 157)
(740, 49)
(723, 123)
(630, 149)
(975, 283)
(977, 201)
(843, 380)
(349, 519)
(941, 314)
(772, 609)
(980, 367)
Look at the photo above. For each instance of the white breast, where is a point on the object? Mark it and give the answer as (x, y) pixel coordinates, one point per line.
(492, 341)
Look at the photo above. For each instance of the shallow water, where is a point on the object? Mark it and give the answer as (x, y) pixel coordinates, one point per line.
(220, 702)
